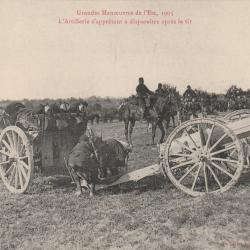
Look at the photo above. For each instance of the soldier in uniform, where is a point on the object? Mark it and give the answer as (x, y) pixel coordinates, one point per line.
(189, 98)
(159, 91)
(143, 94)
(189, 94)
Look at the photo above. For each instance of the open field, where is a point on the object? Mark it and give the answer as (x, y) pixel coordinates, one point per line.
(150, 215)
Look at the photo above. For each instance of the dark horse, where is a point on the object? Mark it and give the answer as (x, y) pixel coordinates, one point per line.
(91, 156)
(157, 112)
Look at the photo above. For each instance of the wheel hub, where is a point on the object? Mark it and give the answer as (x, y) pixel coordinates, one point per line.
(203, 156)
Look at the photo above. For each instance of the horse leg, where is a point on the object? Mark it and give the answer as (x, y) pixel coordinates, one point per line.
(154, 125)
(161, 127)
(167, 122)
(173, 120)
(91, 188)
(178, 118)
(126, 130)
(131, 127)
(77, 180)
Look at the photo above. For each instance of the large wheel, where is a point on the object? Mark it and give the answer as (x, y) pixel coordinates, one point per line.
(16, 159)
(237, 115)
(203, 156)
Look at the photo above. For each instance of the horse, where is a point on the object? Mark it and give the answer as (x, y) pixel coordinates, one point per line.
(188, 109)
(94, 116)
(109, 114)
(170, 109)
(64, 107)
(156, 110)
(95, 161)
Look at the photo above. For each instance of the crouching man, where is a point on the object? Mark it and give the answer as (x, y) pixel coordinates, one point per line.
(93, 161)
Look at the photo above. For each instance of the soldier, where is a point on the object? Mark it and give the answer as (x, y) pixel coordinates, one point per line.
(159, 91)
(142, 90)
(143, 93)
(189, 98)
(189, 94)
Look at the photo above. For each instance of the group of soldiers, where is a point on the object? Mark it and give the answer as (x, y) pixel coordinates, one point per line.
(164, 90)
(235, 97)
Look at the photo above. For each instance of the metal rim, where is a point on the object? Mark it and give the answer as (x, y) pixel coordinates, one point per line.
(16, 159)
(203, 156)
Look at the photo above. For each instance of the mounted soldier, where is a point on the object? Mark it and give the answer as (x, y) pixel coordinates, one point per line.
(144, 96)
(189, 99)
(189, 94)
(159, 91)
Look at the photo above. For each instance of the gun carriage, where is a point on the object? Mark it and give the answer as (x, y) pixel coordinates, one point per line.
(36, 142)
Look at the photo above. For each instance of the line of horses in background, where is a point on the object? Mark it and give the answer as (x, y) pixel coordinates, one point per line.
(161, 110)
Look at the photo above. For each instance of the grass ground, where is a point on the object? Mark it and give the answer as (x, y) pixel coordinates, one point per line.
(155, 216)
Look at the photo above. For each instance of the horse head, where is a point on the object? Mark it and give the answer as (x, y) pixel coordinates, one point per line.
(64, 107)
(47, 109)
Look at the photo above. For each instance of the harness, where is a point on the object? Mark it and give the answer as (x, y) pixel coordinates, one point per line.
(91, 136)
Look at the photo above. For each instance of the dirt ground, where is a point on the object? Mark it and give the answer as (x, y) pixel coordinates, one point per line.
(151, 214)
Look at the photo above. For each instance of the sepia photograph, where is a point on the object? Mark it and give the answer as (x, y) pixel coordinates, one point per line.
(124, 124)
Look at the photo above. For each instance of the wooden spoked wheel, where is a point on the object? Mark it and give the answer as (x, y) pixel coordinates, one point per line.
(203, 156)
(237, 115)
(16, 159)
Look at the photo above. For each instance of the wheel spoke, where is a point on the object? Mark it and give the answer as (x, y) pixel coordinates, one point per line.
(4, 153)
(184, 146)
(8, 170)
(217, 142)
(184, 176)
(25, 165)
(231, 154)
(225, 160)
(222, 169)
(23, 157)
(10, 141)
(229, 165)
(223, 150)
(196, 176)
(209, 136)
(205, 177)
(14, 140)
(7, 145)
(23, 172)
(191, 139)
(4, 162)
(201, 133)
(12, 174)
(18, 144)
(214, 175)
(183, 164)
(21, 149)
(20, 177)
(180, 155)
(16, 178)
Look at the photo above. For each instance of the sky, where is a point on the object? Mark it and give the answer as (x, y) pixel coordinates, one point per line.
(41, 58)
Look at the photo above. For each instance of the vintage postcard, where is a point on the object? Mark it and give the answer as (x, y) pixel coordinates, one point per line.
(124, 124)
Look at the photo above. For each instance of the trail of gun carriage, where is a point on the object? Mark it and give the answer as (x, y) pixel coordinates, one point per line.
(97, 160)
